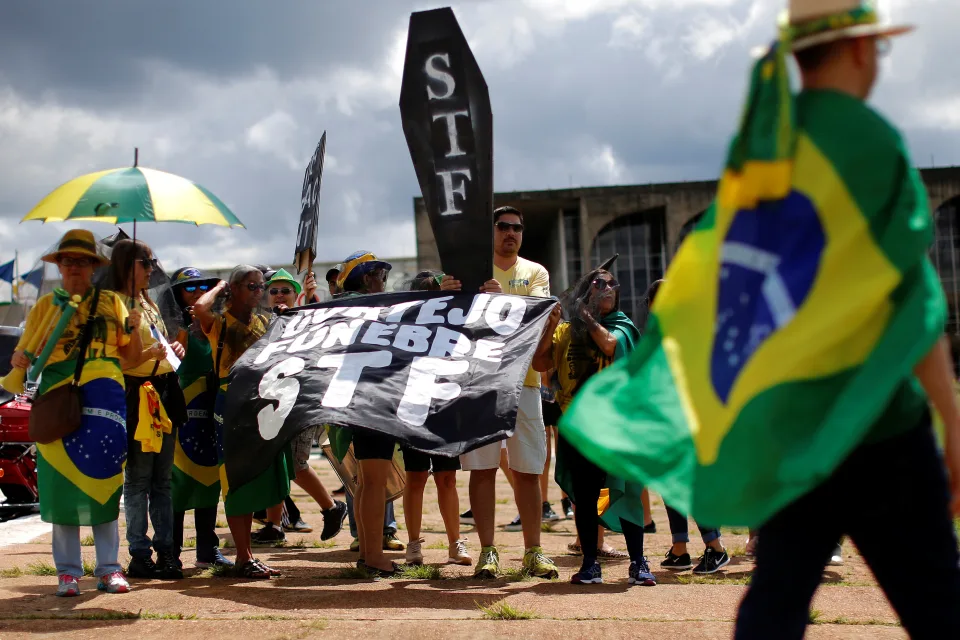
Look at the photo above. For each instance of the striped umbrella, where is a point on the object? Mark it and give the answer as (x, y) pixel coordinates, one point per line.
(133, 194)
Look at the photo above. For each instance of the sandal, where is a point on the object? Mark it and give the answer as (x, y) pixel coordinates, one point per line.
(574, 548)
(253, 570)
(376, 573)
(270, 570)
(611, 553)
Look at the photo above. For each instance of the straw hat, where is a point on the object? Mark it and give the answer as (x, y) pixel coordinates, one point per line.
(78, 242)
(814, 22)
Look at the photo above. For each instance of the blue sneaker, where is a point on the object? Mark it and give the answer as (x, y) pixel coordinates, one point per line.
(218, 560)
(640, 574)
(592, 575)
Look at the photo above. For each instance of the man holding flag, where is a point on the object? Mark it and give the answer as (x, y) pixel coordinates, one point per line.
(784, 375)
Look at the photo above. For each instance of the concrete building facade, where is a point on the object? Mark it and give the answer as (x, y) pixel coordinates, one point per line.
(572, 230)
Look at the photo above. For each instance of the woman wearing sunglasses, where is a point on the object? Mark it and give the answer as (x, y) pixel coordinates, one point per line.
(230, 333)
(597, 335)
(150, 381)
(196, 471)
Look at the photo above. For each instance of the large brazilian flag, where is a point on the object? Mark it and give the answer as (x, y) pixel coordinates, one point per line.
(790, 320)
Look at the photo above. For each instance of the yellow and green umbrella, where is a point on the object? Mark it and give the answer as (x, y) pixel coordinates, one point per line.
(133, 194)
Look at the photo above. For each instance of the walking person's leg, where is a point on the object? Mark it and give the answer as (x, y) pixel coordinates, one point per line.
(903, 479)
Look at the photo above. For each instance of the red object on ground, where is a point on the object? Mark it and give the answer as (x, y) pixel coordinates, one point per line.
(18, 460)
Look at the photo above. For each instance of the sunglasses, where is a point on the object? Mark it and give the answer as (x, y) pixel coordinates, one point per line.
(253, 286)
(601, 284)
(149, 262)
(190, 288)
(509, 226)
(285, 291)
(75, 262)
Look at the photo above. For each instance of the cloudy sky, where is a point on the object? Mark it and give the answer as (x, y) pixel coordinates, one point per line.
(235, 94)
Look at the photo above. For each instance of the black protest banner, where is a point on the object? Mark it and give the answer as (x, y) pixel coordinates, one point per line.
(306, 250)
(448, 124)
(440, 373)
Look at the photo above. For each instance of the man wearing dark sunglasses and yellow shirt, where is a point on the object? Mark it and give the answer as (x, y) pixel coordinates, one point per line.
(527, 448)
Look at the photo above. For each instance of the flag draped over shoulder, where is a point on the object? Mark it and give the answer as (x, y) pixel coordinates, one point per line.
(789, 322)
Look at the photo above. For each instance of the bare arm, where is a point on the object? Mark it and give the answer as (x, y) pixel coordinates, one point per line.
(935, 372)
(605, 340)
(543, 358)
(203, 308)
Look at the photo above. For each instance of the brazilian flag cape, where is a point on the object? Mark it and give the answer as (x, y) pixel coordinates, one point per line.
(789, 322)
(623, 498)
(196, 470)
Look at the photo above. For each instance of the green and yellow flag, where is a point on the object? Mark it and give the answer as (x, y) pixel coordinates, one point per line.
(789, 322)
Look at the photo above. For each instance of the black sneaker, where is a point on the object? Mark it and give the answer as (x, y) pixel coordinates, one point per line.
(333, 520)
(712, 561)
(216, 560)
(548, 513)
(269, 535)
(567, 505)
(142, 567)
(168, 568)
(650, 528)
(514, 525)
(342, 491)
(467, 517)
(677, 563)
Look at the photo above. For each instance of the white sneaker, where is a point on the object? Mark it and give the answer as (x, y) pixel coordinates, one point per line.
(68, 586)
(113, 583)
(458, 554)
(836, 558)
(414, 553)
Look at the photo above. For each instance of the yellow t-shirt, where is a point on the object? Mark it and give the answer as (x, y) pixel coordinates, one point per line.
(238, 338)
(150, 315)
(574, 365)
(109, 333)
(525, 278)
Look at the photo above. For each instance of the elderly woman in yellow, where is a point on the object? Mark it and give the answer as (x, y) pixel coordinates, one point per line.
(149, 379)
(81, 474)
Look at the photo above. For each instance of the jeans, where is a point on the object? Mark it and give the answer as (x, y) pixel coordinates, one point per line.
(205, 521)
(901, 479)
(680, 528)
(146, 487)
(66, 549)
(389, 519)
(588, 479)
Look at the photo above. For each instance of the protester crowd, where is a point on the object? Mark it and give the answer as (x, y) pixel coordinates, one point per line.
(153, 433)
(174, 423)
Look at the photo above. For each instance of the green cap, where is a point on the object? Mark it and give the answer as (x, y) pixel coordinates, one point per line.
(283, 275)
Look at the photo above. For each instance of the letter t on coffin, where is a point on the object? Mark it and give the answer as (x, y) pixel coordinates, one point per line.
(349, 368)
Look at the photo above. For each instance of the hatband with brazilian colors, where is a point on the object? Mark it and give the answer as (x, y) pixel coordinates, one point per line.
(79, 242)
(813, 22)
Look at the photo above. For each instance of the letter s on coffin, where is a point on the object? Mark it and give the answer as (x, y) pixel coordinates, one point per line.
(277, 384)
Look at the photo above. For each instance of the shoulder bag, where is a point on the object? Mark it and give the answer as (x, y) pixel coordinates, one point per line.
(57, 413)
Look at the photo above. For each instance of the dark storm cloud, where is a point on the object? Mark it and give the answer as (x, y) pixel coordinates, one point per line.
(235, 95)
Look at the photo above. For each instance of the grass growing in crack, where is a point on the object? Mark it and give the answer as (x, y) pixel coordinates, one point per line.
(349, 573)
(439, 544)
(280, 544)
(213, 572)
(86, 541)
(88, 567)
(266, 617)
(149, 615)
(714, 579)
(41, 568)
(503, 500)
(517, 575)
(103, 615)
(323, 544)
(547, 527)
(737, 551)
(421, 572)
(220, 524)
(190, 543)
(13, 572)
(814, 615)
(502, 610)
(227, 544)
(320, 624)
(299, 544)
